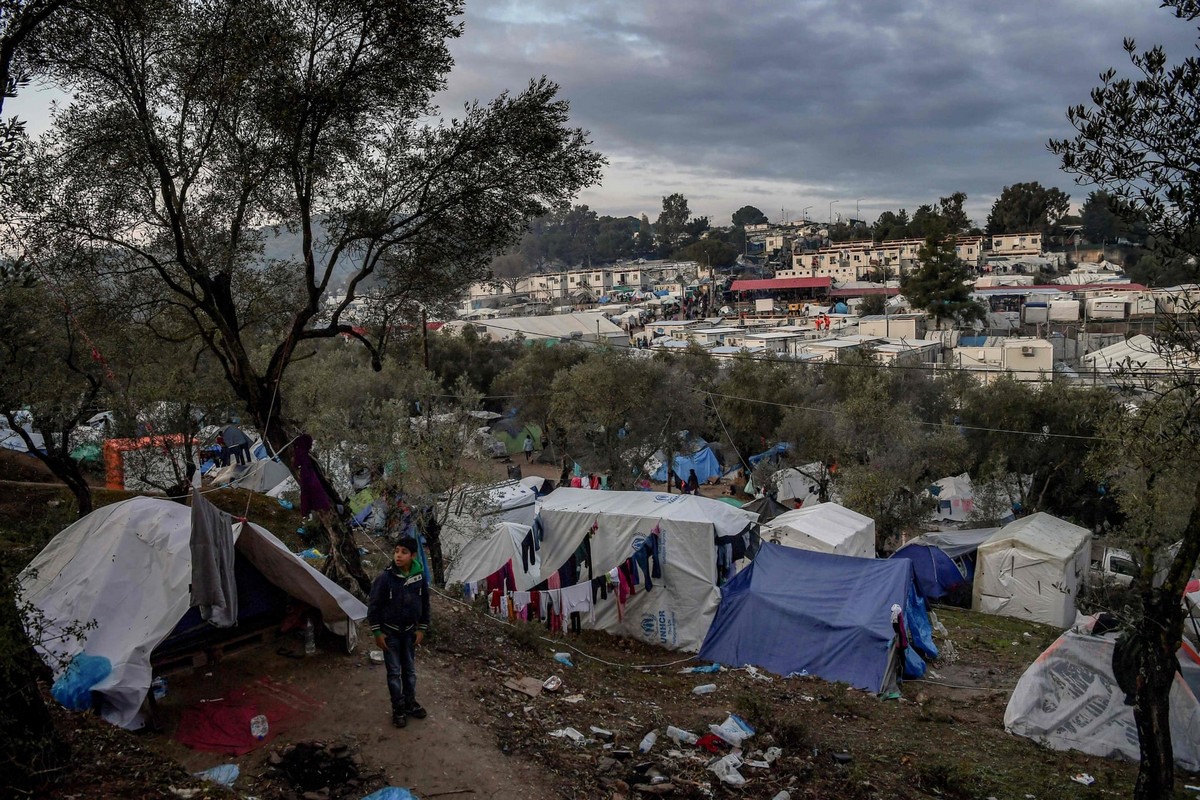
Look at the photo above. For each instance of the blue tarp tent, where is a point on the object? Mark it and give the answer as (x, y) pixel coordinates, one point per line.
(937, 574)
(797, 611)
(703, 461)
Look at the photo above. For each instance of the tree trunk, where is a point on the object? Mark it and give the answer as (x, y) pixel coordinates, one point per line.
(1157, 665)
(32, 747)
(58, 460)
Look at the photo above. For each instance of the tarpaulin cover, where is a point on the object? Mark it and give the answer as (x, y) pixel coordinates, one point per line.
(127, 566)
(826, 528)
(703, 461)
(1069, 700)
(956, 543)
(222, 725)
(795, 611)
(937, 574)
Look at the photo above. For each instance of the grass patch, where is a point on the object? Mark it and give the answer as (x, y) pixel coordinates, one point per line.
(782, 722)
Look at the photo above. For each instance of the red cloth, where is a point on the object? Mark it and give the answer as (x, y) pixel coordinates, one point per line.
(223, 726)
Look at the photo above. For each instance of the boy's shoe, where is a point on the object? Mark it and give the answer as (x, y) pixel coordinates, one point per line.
(398, 719)
(415, 711)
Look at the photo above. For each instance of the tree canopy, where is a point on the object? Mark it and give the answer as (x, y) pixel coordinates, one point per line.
(748, 215)
(938, 284)
(1024, 207)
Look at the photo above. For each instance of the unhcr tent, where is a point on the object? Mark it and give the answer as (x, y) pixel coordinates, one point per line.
(128, 567)
(676, 613)
(796, 611)
(473, 559)
(825, 528)
(1069, 700)
(1032, 569)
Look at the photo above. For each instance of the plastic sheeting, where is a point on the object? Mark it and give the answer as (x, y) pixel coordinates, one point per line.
(956, 543)
(1068, 699)
(473, 559)
(825, 528)
(797, 611)
(704, 461)
(127, 567)
(677, 612)
(1032, 569)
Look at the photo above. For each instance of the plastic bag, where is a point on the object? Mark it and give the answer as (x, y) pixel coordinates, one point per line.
(391, 793)
(726, 769)
(225, 774)
(733, 730)
(259, 727)
(74, 687)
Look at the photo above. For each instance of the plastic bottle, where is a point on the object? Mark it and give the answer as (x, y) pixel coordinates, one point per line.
(784, 795)
(680, 736)
(159, 687)
(310, 638)
(647, 742)
(259, 727)
(707, 688)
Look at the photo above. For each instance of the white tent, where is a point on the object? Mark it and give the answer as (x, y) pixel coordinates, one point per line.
(825, 528)
(677, 612)
(128, 567)
(1068, 699)
(480, 521)
(955, 498)
(267, 477)
(1032, 569)
(792, 484)
(473, 559)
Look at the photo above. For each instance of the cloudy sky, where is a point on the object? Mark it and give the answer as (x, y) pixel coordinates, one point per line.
(790, 105)
(784, 104)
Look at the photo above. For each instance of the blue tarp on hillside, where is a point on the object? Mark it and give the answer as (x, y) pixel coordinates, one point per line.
(703, 461)
(795, 611)
(772, 453)
(937, 574)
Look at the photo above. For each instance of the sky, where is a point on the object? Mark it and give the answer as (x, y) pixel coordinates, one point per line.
(804, 107)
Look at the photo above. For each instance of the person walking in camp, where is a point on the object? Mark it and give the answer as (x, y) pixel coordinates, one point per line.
(236, 442)
(398, 613)
(528, 448)
(693, 483)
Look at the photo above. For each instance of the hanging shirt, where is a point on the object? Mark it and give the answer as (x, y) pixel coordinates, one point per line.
(578, 599)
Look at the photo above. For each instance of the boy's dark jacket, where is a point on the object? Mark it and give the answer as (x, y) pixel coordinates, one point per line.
(399, 602)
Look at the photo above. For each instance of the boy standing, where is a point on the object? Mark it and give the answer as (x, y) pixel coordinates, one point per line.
(398, 613)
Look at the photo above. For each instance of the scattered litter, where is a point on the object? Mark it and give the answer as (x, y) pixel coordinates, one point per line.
(784, 795)
(680, 736)
(648, 742)
(287, 504)
(707, 688)
(1084, 778)
(573, 699)
(754, 673)
(159, 687)
(1027, 635)
(259, 726)
(376, 656)
(711, 743)
(311, 554)
(527, 686)
(726, 769)
(224, 774)
(185, 794)
(552, 684)
(808, 698)
(563, 658)
(705, 669)
(568, 733)
(772, 755)
(603, 734)
(842, 757)
(733, 730)
(1187, 786)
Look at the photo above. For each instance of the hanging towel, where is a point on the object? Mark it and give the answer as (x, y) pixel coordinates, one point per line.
(214, 588)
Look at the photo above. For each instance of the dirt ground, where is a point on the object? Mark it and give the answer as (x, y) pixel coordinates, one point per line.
(943, 739)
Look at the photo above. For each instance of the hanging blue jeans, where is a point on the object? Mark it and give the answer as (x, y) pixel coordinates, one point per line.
(400, 660)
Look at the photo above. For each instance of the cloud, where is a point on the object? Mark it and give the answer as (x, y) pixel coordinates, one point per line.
(790, 105)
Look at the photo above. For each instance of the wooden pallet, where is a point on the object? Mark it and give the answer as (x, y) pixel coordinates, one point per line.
(213, 653)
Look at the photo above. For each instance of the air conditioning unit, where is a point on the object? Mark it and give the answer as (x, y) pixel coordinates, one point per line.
(1026, 351)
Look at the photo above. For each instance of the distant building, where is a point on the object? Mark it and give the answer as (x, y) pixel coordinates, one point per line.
(989, 357)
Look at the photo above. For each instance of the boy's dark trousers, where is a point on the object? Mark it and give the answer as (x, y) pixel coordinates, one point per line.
(399, 657)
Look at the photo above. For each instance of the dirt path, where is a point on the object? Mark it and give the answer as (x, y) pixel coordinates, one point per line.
(442, 754)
